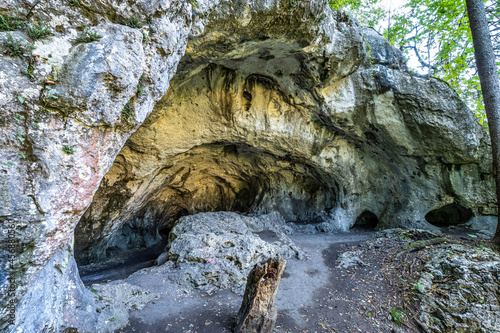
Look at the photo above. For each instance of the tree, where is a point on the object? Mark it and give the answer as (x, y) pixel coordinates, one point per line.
(490, 85)
(437, 33)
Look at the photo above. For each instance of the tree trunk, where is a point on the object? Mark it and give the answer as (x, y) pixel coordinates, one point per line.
(258, 313)
(490, 85)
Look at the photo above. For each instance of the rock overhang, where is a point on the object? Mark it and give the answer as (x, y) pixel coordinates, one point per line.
(372, 136)
(383, 140)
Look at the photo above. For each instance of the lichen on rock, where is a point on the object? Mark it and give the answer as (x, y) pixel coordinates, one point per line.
(461, 290)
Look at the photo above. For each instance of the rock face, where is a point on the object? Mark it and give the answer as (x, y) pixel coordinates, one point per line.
(468, 283)
(275, 106)
(319, 121)
(57, 144)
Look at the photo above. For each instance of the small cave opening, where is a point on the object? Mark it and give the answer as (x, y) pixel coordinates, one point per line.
(449, 215)
(366, 221)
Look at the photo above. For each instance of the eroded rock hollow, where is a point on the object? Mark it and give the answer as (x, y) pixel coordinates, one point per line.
(258, 119)
(252, 107)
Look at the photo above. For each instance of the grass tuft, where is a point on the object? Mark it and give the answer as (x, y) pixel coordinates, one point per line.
(397, 316)
(10, 23)
(15, 47)
(68, 150)
(127, 110)
(37, 31)
(87, 36)
(133, 22)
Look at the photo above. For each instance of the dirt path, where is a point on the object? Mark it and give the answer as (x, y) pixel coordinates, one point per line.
(314, 296)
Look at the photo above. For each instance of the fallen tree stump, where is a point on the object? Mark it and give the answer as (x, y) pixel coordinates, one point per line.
(258, 313)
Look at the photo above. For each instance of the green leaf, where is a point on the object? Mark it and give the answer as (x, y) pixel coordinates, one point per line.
(21, 99)
(473, 236)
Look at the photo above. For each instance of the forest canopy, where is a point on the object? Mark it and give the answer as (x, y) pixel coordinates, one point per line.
(436, 35)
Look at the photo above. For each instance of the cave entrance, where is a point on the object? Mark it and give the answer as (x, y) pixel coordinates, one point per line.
(452, 214)
(366, 221)
(239, 130)
(128, 228)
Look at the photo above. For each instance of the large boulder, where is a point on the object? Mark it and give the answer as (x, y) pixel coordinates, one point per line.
(218, 250)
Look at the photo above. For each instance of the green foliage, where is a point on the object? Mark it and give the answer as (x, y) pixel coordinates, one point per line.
(16, 48)
(369, 50)
(420, 287)
(52, 93)
(74, 3)
(133, 22)
(68, 150)
(29, 71)
(140, 86)
(437, 33)
(127, 110)
(18, 136)
(37, 31)
(340, 4)
(397, 316)
(87, 36)
(367, 12)
(145, 37)
(10, 23)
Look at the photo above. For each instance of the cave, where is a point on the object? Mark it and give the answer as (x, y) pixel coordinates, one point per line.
(235, 132)
(255, 118)
(214, 177)
(366, 220)
(448, 215)
(264, 124)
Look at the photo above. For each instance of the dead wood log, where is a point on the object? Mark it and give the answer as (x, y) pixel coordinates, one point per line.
(258, 313)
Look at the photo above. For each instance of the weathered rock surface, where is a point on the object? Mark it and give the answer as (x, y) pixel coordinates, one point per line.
(468, 282)
(45, 191)
(299, 120)
(218, 250)
(276, 106)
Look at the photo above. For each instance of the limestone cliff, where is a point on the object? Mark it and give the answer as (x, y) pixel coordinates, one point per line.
(275, 106)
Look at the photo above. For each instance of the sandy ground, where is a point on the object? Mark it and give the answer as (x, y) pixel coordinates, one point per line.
(314, 295)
